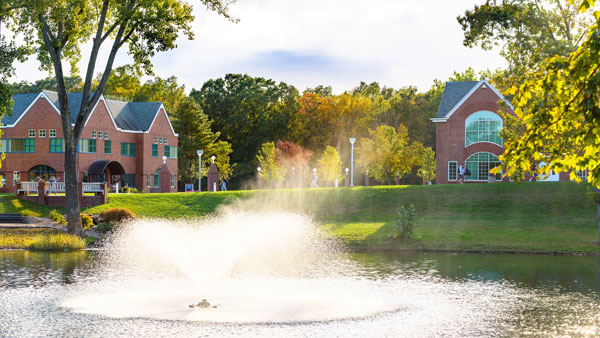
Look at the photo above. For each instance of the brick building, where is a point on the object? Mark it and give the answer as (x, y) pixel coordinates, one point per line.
(122, 142)
(467, 132)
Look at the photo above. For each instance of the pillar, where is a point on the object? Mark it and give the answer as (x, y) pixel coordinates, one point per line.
(397, 179)
(213, 177)
(366, 180)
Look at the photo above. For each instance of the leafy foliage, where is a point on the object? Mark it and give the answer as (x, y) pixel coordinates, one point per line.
(86, 221)
(270, 171)
(330, 165)
(116, 216)
(427, 165)
(389, 152)
(406, 222)
(555, 125)
(58, 217)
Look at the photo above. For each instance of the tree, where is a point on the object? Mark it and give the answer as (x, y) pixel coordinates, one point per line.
(123, 83)
(531, 30)
(388, 152)
(556, 115)
(427, 165)
(248, 111)
(56, 30)
(270, 171)
(330, 165)
(222, 150)
(72, 83)
(193, 127)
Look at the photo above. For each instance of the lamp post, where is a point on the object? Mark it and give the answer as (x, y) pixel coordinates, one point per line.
(352, 140)
(199, 152)
(258, 178)
(213, 158)
(346, 182)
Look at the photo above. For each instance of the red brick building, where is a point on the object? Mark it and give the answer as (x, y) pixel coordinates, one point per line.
(467, 132)
(122, 142)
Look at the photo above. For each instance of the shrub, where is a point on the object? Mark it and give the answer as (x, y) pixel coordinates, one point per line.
(58, 242)
(406, 223)
(116, 215)
(58, 217)
(86, 221)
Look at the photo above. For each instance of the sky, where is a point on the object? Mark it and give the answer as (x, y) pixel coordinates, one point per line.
(306, 43)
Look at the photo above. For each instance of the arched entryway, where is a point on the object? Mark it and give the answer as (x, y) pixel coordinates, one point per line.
(105, 171)
(41, 172)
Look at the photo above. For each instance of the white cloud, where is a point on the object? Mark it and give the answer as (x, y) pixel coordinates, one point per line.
(329, 42)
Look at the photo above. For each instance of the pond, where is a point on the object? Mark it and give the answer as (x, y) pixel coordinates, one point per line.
(360, 294)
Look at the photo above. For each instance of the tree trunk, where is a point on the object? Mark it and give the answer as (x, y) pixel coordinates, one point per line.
(71, 191)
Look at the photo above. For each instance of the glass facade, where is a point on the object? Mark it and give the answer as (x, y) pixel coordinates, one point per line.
(171, 152)
(483, 126)
(127, 149)
(107, 146)
(87, 146)
(480, 165)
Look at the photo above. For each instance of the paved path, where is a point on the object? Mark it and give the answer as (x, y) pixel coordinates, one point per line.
(33, 223)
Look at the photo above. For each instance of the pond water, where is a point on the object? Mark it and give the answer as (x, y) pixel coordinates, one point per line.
(274, 274)
(402, 295)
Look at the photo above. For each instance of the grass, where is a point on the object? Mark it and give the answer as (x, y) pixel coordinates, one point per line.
(39, 239)
(11, 204)
(528, 217)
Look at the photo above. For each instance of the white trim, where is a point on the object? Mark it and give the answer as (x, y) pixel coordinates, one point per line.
(456, 173)
(438, 119)
(468, 95)
(40, 95)
(479, 111)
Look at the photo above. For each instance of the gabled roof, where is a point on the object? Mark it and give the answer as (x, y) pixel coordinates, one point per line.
(456, 93)
(453, 93)
(128, 116)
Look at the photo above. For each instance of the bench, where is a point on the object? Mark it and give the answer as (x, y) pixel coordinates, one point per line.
(27, 187)
(93, 187)
(11, 218)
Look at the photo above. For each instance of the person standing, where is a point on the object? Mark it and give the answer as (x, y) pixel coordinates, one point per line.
(461, 173)
(223, 184)
(313, 183)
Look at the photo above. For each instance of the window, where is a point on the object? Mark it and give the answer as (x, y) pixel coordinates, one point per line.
(42, 133)
(127, 149)
(106, 135)
(155, 150)
(160, 140)
(57, 145)
(483, 126)
(2, 180)
(582, 174)
(18, 145)
(100, 135)
(452, 170)
(148, 180)
(172, 181)
(480, 165)
(16, 177)
(165, 140)
(43, 172)
(31, 133)
(171, 152)
(156, 139)
(52, 133)
(107, 146)
(87, 145)
(93, 134)
(156, 175)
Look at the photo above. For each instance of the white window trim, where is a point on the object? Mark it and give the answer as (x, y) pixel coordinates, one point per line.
(50, 132)
(29, 132)
(106, 135)
(472, 180)
(93, 134)
(165, 140)
(456, 173)
(40, 132)
(15, 175)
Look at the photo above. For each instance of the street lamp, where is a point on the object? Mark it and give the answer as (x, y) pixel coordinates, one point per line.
(352, 140)
(213, 158)
(199, 152)
(258, 177)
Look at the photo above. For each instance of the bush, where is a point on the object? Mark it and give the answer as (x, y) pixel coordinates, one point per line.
(406, 223)
(86, 221)
(116, 215)
(58, 242)
(58, 217)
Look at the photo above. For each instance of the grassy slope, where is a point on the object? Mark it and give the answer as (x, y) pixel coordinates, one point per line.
(519, 217)
(10, 204)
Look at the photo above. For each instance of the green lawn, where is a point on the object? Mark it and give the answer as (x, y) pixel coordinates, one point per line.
(10, 204)
(547, 217)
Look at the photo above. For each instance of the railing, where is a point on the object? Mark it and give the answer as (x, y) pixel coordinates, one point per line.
(28, 187)
(92, 187)
(55, 187)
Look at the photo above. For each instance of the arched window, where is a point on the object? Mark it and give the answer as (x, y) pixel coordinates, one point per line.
(483, 126)
(42, 171)
(480, 165)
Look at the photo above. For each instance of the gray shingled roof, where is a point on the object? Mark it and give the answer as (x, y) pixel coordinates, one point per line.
(453, 93)
(136, 116)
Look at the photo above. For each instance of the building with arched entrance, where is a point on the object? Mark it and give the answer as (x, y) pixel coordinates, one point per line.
(122, 143)
(468, 127)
